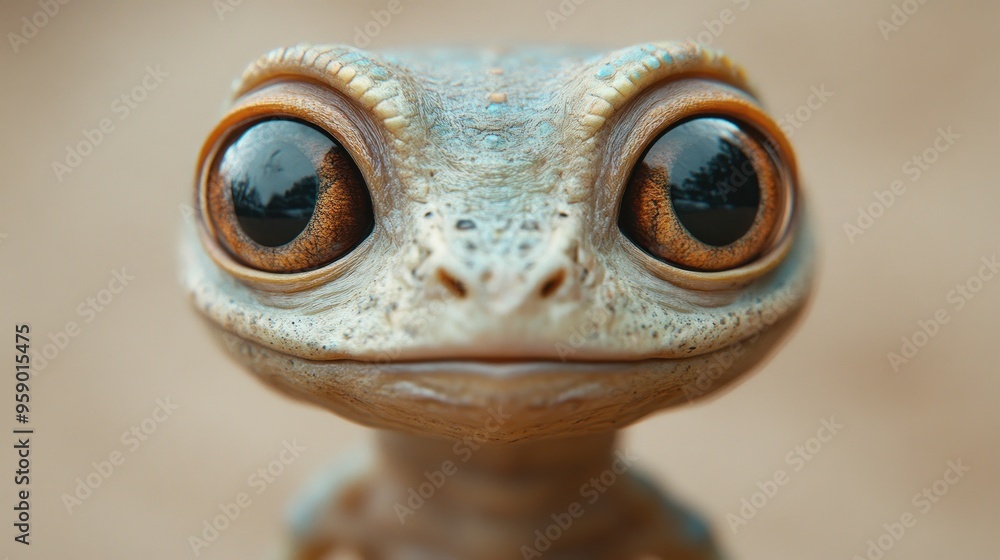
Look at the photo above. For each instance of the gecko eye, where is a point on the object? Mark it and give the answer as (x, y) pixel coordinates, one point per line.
(707, 195)
(285, 196)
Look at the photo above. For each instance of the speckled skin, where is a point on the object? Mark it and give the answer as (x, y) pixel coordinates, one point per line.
(496, 276)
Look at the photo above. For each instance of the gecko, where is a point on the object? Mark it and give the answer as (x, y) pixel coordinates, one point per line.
(498, 258)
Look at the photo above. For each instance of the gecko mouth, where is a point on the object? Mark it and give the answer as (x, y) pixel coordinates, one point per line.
(506, 367)
(544, 398)
(495, 367)
(453, 362)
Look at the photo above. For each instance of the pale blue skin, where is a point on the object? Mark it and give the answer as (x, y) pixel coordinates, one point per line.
(531, 147)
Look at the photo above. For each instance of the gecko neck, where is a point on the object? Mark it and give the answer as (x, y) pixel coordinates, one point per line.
(423, 498)
(514, 500)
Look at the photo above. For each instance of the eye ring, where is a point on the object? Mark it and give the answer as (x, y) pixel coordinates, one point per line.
(284, 234)
(707, 231)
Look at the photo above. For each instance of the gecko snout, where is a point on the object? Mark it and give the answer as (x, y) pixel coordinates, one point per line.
(532, 286)
(504, 265)
(506, 288)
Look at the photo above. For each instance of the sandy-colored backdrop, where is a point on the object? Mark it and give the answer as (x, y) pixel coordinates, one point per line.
(890, 92)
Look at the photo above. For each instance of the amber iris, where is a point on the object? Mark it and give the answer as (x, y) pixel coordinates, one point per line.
(706, 195)
(285, 196)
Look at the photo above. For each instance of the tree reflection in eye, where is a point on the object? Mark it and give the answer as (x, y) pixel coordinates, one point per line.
(714, 189)
(274, 182)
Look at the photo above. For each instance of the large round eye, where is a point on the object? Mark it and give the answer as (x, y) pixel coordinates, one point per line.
(285, 196)
(707, 195)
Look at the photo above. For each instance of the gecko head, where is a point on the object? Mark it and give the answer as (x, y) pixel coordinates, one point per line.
(428, 241)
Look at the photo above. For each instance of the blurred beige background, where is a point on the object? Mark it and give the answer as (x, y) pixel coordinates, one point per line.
(120, 208)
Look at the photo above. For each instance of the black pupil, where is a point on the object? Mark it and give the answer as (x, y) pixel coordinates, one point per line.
(273, 178)
(714, 188)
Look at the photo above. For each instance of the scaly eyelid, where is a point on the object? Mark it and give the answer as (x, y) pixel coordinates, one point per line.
(639, 124)
(613, 82)
(313, 104)
(350, 125)
(324, 109)
(372, 84)
(660, 108)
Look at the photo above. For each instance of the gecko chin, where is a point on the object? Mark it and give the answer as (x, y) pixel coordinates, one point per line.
(537, 399)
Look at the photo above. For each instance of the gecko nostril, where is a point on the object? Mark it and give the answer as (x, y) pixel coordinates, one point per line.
(454, 285)
(553, 283)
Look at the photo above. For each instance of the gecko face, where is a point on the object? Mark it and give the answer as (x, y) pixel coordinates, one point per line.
(564, 240)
